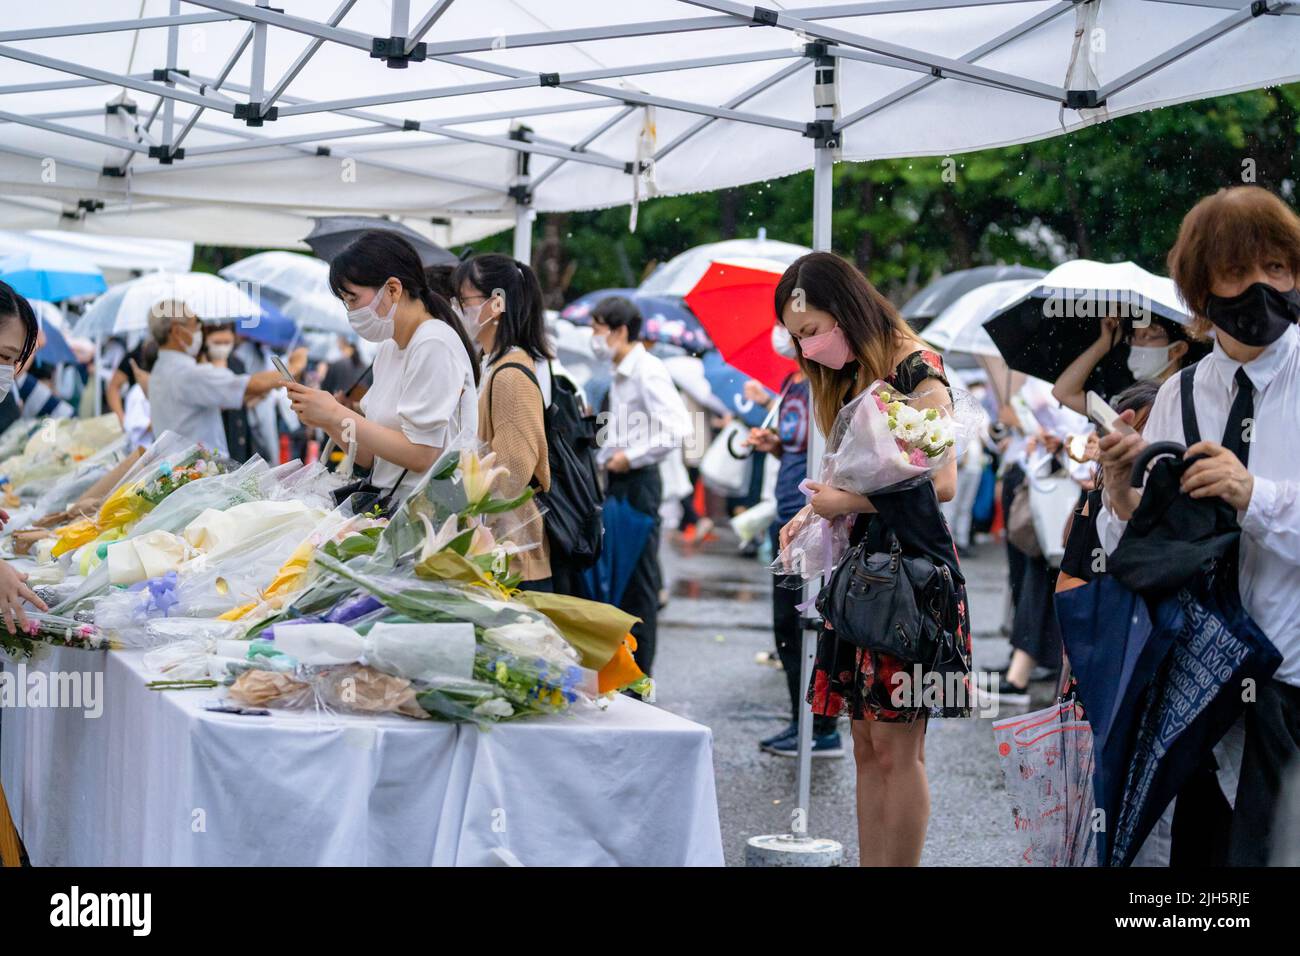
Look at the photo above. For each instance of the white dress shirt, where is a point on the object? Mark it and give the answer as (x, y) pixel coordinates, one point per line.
(187, 398)
(1270, 541)
(426, 391)
(647, 418)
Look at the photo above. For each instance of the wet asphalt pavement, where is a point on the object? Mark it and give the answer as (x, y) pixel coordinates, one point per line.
(719, 619)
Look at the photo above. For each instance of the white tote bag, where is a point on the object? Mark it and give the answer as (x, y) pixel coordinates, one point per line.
(721, 470)
(1051, 502)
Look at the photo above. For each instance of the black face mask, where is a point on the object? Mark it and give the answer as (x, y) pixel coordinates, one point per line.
(1258, 316)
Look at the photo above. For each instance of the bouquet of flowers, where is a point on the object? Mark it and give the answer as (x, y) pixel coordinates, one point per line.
(882, 441)
(50, 629)
(169, 464)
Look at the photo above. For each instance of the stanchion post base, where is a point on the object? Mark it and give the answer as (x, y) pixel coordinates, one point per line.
(785, 849)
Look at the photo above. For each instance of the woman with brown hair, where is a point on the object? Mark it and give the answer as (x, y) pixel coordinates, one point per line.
(847, 336)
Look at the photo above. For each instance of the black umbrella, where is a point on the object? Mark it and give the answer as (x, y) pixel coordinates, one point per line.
(332, 234)
(1057, 321)
(947, 289)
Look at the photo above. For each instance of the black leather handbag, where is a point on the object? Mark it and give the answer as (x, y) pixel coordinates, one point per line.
(892, 604)
(366, 497)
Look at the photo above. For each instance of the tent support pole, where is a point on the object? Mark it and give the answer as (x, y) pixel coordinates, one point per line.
(797, 848)
(522, 193)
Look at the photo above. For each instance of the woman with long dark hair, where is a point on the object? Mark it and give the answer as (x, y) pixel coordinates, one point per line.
(18, 331)
(423, 398)
(847, 336)
(500, 302)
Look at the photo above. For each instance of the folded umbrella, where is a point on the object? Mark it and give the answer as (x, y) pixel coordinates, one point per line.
(1050, 326)
(734, 302)
(626, 533)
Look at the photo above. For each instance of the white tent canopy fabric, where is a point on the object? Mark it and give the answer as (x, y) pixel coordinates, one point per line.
(510, 105)
(117, 257)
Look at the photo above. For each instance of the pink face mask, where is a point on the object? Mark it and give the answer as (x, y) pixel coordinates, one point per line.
(829, 348)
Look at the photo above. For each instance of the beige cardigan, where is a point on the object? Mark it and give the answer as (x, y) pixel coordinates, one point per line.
(510, 422)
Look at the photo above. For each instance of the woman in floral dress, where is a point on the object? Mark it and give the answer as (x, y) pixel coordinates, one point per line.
(848, 335)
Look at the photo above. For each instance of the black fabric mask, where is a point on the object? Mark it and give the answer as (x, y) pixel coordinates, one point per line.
(1257, 316)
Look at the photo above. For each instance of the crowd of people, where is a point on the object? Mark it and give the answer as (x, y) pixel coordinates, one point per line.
(464, 351)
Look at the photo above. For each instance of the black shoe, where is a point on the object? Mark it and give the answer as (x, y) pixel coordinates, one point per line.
(1009, 693)
(791, 730)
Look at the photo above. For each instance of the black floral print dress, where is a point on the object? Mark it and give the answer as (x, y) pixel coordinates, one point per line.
(848, 679)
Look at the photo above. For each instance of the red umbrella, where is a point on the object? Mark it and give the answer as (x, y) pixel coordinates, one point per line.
(733, 301)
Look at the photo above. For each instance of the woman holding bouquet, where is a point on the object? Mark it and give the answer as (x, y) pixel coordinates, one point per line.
(849, 336)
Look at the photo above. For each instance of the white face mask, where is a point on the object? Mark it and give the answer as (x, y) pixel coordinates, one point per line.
(600, 347)
(219, 353)
(1146, 362)
(369, 324)
(195, 343)
(6, 380)
(782, 344)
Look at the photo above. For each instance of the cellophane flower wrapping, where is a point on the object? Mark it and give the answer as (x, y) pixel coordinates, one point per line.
(882, 441)
(43, 629)
(171, 462)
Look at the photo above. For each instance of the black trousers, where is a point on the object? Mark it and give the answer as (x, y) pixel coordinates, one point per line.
(1272, 749)
(643, 490)
(786, 597)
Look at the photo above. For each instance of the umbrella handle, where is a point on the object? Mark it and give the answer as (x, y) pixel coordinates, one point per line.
(1149, 454)
(741, 455)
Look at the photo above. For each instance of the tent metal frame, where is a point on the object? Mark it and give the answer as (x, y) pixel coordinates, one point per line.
(267, 99)
(812, 41)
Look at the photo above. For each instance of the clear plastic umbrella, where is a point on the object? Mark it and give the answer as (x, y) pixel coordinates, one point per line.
(282, 275)
(125, 308)
(1048, 766)
(960, 327)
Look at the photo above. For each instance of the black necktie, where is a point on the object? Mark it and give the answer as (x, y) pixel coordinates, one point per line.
(1240, 417)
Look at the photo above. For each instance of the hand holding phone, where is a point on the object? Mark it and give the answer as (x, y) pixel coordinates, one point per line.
(1106, 418)
(281, 367)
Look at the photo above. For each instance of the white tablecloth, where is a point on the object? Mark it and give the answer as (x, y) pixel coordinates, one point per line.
(157, 780)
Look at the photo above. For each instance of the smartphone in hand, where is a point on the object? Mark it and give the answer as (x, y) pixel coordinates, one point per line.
(1106, 418)
(282, 368)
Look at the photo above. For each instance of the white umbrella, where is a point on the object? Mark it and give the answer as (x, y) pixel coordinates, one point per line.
(318, 310)
(960, 327)
(297, 285)
(1127, 284)
(125, 308)
(282, 275)
(680, 274)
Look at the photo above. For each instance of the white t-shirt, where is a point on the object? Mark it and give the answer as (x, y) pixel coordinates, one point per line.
(427, 391)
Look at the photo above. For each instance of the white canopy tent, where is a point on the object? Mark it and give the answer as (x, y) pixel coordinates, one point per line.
(505, 106)
(222, 118)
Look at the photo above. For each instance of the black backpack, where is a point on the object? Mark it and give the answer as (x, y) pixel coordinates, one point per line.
(573, 505)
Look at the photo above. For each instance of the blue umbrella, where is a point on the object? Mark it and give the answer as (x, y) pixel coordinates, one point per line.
(51, 276)
(666, 317)
(728, 384)
(56, 350)
(271, 328)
